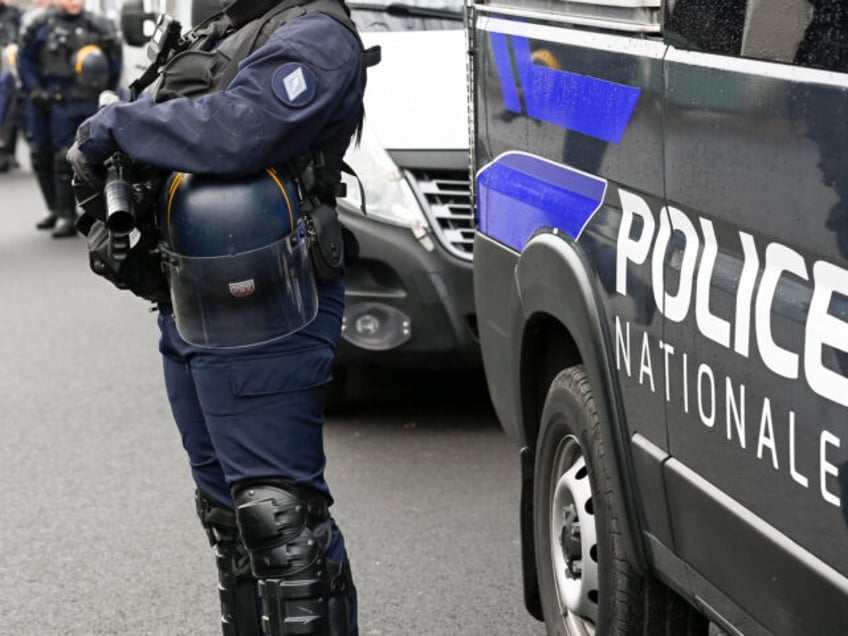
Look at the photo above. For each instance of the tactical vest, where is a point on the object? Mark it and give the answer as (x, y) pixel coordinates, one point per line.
(206, 67)
(64, 39)
(209, 62)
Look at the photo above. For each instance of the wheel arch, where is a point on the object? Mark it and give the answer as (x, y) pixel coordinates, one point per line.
(553, 331)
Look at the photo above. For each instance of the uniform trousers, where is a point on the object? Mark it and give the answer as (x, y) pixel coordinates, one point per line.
(256, 412)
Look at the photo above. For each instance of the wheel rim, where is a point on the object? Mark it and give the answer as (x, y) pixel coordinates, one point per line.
(573, 539)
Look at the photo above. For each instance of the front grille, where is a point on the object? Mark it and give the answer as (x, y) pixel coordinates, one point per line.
(446, 198)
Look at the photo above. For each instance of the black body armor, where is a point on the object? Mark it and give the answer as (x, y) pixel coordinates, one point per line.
(66, 37)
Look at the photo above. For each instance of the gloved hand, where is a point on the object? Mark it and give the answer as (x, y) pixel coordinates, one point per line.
(39, 97)
(86, 172)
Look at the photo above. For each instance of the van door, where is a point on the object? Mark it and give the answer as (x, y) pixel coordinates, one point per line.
(573, 135)
(756, 303)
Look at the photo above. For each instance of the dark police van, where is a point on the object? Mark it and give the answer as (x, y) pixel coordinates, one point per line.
(661, 282)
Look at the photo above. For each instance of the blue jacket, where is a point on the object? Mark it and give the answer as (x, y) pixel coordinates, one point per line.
(289, 96)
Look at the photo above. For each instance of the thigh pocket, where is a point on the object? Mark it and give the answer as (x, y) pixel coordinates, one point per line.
(258, 385)
(281, 374)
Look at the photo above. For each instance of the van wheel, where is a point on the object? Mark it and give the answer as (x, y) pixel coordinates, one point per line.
(586, 584)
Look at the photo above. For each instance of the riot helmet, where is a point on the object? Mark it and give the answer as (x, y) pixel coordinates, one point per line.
(91, 67)
(237, 259)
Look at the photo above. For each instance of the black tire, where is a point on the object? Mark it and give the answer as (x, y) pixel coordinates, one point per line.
(585, 582)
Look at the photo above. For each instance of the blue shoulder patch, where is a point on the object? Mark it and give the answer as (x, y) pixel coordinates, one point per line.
(294, 84)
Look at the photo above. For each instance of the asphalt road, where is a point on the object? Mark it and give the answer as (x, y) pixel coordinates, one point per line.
(97, 529)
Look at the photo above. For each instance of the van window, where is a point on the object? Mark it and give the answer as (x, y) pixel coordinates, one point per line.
(406, 15)
(616, 15)
(811, 33)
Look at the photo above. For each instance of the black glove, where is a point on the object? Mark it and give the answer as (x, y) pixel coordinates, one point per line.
(86, 172)
(39, 97)
(137, 268)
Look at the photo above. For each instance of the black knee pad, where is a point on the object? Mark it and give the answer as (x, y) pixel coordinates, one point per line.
(287, 532)
(237, 588)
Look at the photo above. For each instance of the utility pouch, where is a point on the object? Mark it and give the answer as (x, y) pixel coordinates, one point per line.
(326, 243)
(189, 74)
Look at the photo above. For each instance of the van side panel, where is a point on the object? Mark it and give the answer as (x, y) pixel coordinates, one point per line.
(786, 588)
(589, 106)
(755, 177)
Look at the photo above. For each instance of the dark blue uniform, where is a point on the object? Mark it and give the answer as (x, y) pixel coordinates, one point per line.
(251, 418)
(10, 23)
(253, 124)
(58, 103)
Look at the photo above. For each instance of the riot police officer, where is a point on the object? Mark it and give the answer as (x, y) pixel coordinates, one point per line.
(67, 57)
(249, 121)
(10, 23)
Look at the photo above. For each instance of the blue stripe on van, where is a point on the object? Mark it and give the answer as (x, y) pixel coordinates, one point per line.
(500, 48)
(586, 104)
(517, 194)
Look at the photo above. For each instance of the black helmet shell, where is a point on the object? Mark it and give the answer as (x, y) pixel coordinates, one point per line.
(237, 258)
(208, 216)
(91, 67)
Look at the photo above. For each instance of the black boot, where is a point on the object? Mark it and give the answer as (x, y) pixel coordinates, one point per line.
(47, 223)
(64, 228)
(66, 206)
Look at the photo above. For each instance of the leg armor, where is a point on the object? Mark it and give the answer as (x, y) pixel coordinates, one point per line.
(42, 166)
(287, 533)
(66, 205)
(236, 585)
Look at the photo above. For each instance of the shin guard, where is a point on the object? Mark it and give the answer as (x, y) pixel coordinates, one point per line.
(66, 205)
(42, 166)
(287, 533)
(236, 585)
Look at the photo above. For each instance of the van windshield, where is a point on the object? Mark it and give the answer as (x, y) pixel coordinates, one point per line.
(407, 15)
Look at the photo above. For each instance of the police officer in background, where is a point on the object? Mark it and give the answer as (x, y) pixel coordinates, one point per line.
(249, 123)
(67, 57)
(10, 24)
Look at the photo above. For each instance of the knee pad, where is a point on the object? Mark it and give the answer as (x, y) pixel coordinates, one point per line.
(287, 532)
(236, 584)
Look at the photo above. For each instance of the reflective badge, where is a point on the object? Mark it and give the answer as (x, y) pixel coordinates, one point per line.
(294, 85)
(243, 288)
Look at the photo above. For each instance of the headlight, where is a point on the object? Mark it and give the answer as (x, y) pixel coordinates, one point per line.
(388, 196)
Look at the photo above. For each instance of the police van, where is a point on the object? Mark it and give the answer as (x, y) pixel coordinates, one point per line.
(661, 286)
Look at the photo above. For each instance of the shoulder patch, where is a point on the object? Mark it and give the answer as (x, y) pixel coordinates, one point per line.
(294, 84)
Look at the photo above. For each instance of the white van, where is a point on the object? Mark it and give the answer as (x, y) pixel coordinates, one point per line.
(409, 296)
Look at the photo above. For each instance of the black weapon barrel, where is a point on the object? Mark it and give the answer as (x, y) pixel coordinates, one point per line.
(120, 216)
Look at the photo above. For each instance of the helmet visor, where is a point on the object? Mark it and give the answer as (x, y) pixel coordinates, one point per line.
(244, 299)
